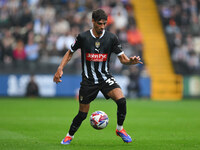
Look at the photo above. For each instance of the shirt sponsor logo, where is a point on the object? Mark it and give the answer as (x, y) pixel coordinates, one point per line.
(96, 57)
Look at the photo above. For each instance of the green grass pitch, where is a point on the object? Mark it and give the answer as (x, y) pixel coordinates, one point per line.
(40, 124)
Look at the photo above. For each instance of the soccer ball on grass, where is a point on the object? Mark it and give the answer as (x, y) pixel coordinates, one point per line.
(99, 120)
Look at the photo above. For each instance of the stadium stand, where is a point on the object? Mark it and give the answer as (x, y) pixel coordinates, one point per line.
(181, 24)
(36, 33)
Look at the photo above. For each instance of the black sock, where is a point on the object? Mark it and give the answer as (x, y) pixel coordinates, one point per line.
(121, 111)
(76, 123)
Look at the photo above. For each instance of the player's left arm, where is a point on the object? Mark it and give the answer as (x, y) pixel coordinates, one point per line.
(129, 61)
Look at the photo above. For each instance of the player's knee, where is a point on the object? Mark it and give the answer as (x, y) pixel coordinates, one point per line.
(82, 115)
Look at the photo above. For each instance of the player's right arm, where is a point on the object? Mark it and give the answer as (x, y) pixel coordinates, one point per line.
(76, 45)
(64, 61)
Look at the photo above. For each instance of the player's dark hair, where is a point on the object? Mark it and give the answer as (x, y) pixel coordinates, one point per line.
(99, 14)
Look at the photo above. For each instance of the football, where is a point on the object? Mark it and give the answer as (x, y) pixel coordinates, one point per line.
(99, 120)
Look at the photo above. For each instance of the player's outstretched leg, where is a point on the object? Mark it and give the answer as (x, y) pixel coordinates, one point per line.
(74, 127)
(121, 115)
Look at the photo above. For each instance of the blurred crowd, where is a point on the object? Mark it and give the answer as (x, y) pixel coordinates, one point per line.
(35, 34)
(181, 21)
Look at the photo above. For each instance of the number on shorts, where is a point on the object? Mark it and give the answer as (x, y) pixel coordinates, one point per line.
(110, 81)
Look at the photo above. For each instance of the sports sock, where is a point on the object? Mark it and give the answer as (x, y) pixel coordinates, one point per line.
(70, 135)
(121, 111)
(119, 128)
(76, 123)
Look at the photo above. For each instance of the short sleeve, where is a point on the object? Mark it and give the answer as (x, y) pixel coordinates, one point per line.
(117, 48)
(77, 44)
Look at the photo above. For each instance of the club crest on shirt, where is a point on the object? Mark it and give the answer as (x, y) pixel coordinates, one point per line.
(97, 44)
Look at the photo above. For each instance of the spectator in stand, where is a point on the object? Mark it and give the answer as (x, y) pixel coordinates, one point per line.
(61, 26)
(194, 27)
(49, 13)
(134, 36)
(19, 54)
(40, 27)
(8, 42)
(32, 49)
(1, 52)
(32, 52)
(26, 16)
(179, 56)
(193, 62)
(4, 17)
(32, 89)
(120, 16)
(172, 28)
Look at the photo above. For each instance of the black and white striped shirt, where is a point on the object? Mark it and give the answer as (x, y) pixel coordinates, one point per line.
(95, 54)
